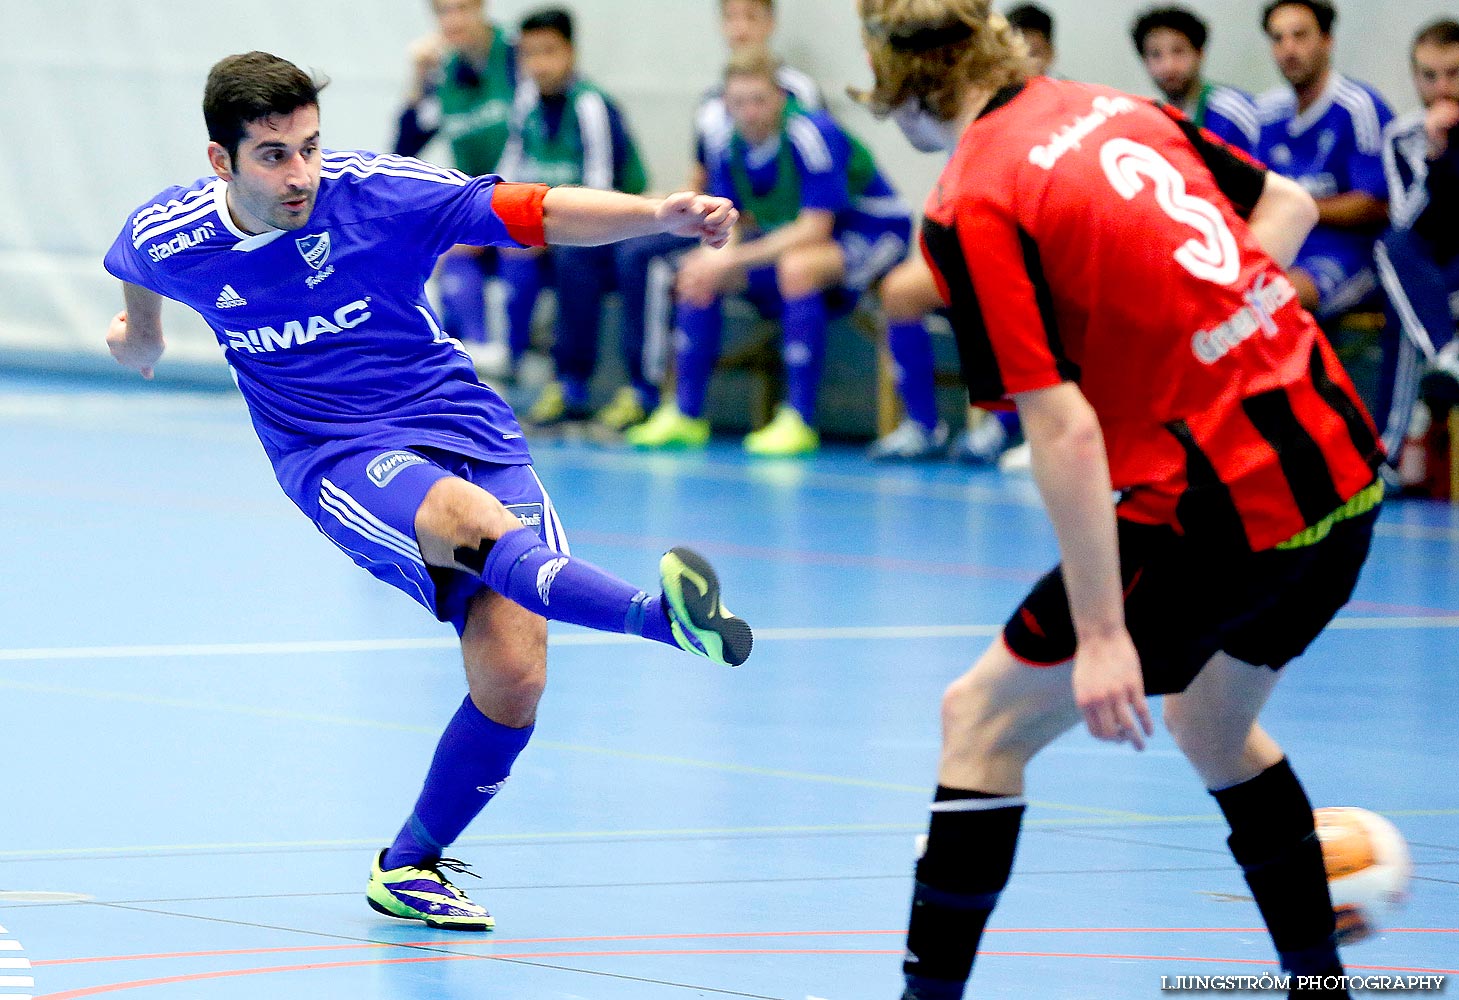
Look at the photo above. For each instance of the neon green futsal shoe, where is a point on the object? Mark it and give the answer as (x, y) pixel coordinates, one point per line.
(425, 894)
(700, 623)
(669, 428)
(785, 436)
(623, 411)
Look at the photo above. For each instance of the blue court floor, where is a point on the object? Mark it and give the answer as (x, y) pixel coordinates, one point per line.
(210, 720)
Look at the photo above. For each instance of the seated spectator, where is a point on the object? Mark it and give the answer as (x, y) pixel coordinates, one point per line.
(647, 266)
(1418, 259)
(1035, 26)
(1326, 132)
(567, 131)
(819, 225)
(462, 85)
(1171, 42)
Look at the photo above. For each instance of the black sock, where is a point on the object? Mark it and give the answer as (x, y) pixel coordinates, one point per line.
(1275, 842)
(970, 846)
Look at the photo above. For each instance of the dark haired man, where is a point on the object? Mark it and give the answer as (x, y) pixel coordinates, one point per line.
(1035, 26)
(1171, 42)
(310, 267)
(1418, 259)
(1326, 132)
(565, 130)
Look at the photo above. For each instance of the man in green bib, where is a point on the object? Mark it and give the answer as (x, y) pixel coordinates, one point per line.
(567, 131)
(463, 84)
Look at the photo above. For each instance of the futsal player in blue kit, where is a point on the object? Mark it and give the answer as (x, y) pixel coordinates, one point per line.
(821, 225)
(310, 267)
(1325, 131)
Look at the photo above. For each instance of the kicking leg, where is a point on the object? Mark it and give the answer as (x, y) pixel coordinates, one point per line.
(1272, 833)
(461, 526)
(994, 720)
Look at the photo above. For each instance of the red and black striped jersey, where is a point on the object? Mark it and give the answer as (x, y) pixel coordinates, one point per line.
(1082, 234)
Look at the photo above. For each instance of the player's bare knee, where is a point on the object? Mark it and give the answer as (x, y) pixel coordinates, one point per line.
(972, 721)
(459, 514)
(507, 687)
(798, 275)
(1202, 735)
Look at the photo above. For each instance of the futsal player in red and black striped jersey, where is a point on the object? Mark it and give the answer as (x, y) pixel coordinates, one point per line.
(1116, 274)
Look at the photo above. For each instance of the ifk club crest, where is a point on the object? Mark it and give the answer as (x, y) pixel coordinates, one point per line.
(315, 249)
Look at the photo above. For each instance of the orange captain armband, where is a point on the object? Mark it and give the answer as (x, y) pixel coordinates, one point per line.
(519, 206)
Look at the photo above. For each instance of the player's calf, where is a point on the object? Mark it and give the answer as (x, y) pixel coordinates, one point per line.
(487, 541)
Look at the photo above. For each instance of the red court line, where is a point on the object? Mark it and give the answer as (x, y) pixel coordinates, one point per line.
(88, 991)
(467, 941)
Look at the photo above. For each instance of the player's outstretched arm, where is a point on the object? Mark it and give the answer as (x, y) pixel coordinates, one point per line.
(1282, 218)
(585, 217)
(135, 334)
(1072, 471)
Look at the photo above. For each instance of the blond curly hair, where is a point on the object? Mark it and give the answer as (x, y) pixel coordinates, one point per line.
(931, 51)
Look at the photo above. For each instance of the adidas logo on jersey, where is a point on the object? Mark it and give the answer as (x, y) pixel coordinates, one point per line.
(229, 299)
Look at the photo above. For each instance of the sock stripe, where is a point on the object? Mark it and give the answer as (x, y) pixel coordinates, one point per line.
(979, 805)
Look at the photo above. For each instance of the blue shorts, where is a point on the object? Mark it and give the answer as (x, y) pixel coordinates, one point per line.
(1344, 281)
(365, 501)
(873, 250)
(869, 256)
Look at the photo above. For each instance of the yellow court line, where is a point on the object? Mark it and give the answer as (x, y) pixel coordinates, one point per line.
(710, 765)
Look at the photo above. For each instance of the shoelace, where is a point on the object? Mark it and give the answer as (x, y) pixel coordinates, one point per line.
(452, 865)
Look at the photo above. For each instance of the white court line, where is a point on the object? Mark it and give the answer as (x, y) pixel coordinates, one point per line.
(399, 645)
(17, 981)
(828, 634)
(10, 946)
(14, 963)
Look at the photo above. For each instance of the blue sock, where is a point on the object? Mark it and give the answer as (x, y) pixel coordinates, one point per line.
(523, 278)
(472, 760)
(463, 306)
(561, 588)
(911, 347)
(1009, 420)
(699, 333)
(804, 323)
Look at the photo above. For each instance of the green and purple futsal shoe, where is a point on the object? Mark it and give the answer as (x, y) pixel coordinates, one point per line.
(700, 623)
(425, 894)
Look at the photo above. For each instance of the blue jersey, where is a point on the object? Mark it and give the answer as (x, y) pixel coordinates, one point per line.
(327, 329)
(810, 164)
(1228, 114)
(1334, 147)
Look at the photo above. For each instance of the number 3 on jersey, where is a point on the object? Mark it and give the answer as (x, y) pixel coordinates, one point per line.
(1214, 257)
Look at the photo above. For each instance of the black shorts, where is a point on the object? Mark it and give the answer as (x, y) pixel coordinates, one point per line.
(1185, 601)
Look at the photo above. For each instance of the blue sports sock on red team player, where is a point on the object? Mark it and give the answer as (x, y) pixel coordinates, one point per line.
(911, 348)
(804, 324)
